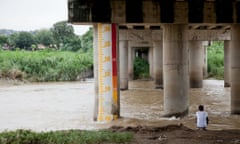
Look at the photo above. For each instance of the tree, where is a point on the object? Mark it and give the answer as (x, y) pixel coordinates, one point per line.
(44, 37)
(23, 40)
(62, 32)
(3, 39)
(12, 39)
(87, 40)
(73, 44)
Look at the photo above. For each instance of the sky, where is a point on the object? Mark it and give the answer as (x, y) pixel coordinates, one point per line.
(27, 15)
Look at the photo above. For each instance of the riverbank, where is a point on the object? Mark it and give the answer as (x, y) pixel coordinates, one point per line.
(170, 134)
(179, 134)
(11, 82)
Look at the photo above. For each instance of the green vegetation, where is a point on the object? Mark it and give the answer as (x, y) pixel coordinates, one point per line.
(141, 68)
(64, 137)
(55, 54)
(87, 40)
(44, 37)
(24, 40)
(45, 65)
(62, 32)
(3, 39)
(216, 60)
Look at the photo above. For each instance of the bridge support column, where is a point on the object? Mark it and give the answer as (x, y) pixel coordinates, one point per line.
(107, 107)
(158, 63)
(123, 67)
(235, 69)
(175, 69)
(227, 63)
(195, 63)
(131, 57)
(95, 51)
(205, 60)
(150, 60)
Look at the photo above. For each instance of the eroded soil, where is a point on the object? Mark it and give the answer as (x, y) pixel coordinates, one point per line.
(179, 134)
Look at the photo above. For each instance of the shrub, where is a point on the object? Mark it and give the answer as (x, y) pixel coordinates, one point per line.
(46, 65)
(141, 68)
(216, 60)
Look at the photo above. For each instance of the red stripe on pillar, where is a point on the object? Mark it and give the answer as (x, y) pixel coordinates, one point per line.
(114, 64)
(114, 49)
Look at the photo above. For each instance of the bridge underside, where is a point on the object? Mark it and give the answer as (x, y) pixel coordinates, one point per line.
(154, 11)
(173, 30)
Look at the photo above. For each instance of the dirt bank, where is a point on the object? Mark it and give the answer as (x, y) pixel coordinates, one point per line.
(11, 82)
(179, 134)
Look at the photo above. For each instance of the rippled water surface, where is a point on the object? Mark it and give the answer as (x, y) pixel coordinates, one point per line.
(55, 106)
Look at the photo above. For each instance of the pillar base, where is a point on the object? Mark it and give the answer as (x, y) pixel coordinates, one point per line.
(158, 86)
(227, 85)
(196, 84)
(123, 89)
(235, 113)
(180, 114)
(123, 84)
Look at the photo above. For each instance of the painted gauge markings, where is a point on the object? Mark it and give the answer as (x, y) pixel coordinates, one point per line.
(107, 70)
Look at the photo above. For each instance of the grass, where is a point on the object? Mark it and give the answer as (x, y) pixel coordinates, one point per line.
(64, 137)
(46, 65)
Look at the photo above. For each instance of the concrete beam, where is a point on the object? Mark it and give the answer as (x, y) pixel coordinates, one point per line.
(210, 35)
(140, 35)
(151, 35)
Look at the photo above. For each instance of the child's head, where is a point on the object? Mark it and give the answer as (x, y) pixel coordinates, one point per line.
(200, 107)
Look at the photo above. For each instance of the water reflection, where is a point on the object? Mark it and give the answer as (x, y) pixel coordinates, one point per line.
(54, 106)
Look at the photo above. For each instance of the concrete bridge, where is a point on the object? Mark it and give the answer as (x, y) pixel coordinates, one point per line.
(173, 31)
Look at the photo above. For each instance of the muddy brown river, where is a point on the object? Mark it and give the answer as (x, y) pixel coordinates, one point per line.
(69, 105)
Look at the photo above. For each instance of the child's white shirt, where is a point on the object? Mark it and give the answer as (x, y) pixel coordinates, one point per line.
(201, 119)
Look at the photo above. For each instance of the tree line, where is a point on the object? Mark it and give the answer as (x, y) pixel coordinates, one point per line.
(60, 36)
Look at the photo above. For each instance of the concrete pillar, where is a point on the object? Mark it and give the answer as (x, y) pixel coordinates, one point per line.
(150, 60)
(107, 104)
(195, 63)
(131, 57)
(158, 63)
(175, 69)
(205, 59)
(235, 69)
(95, 67)
(227, 63)
(123, 67)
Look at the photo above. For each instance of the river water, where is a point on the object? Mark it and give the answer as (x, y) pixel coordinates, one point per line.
(69, 105)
